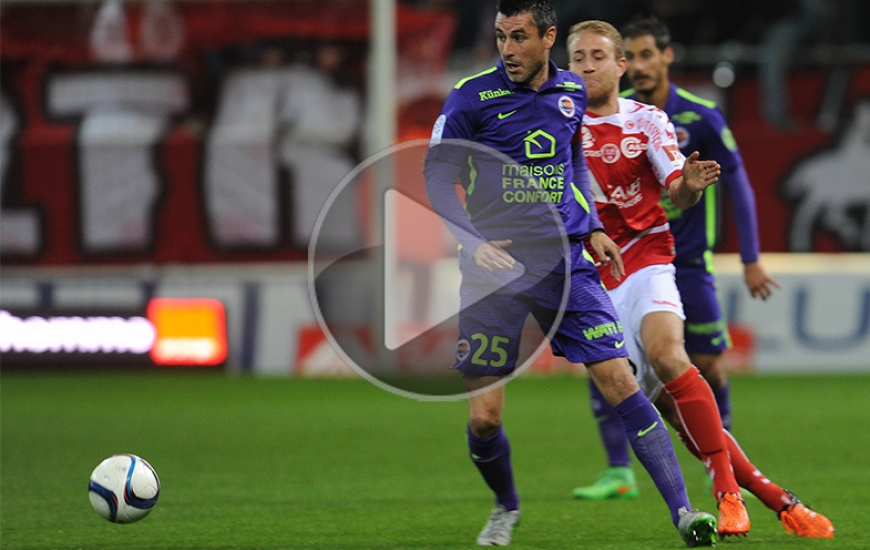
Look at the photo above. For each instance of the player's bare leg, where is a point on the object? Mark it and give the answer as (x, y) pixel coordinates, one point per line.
(490, 451)
(662, 336)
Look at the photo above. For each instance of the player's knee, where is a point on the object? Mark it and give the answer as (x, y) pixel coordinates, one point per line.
(668, 359)
(614, 379)
(711, 369)
(484, 424)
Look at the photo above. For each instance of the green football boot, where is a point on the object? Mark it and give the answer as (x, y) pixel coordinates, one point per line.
(615, 482)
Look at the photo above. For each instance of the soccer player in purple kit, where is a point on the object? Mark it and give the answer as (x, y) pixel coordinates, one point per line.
(528, 111)
(700, 127)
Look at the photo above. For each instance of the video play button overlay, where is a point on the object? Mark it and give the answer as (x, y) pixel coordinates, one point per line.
(384, 277)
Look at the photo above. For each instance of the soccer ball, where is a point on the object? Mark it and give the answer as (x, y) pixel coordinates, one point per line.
(124, 488)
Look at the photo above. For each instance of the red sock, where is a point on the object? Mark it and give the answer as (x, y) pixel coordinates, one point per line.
(747, 475)
(750, 478)
(700, 418)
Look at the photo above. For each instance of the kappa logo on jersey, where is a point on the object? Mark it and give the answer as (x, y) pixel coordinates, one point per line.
(629, 125)
(683, 137)
(566, 105)
(540, 145)
(632, 147)
(463, 348)
(610, 153)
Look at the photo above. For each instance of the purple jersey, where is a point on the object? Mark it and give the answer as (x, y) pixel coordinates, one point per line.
(530, 185)
(701, 127)
(511, 197)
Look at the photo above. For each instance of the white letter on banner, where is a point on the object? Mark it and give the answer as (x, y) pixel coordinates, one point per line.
(123, 118)
(20, 231)
(270, 118)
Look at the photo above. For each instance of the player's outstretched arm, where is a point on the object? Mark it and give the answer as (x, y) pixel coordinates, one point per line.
(686, 190)
(608, 253)
(759, 283)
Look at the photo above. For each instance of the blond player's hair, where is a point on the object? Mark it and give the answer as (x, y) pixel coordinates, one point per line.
(602, 28)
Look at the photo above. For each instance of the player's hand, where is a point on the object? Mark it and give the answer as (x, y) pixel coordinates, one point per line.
(608, 253)
(492, 255)
(758, 281)
(700, 174)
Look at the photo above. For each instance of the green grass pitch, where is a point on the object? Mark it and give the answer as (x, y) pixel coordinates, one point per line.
(250, 463)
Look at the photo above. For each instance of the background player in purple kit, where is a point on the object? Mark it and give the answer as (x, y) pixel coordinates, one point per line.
(528, 112)
(700, 127)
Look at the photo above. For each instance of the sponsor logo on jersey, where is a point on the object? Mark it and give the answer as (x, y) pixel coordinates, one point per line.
(610, 153)
(533, 183)
(492, 94)
(606, 329)
(566, 105)
(632, 147)
(626, 196)
(463, 349)
(540, 145)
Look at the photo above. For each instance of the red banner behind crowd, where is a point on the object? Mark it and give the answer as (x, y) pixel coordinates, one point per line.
(186, 132)
(215, 131)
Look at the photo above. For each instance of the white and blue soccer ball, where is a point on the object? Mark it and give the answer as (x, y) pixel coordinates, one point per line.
(124, 488)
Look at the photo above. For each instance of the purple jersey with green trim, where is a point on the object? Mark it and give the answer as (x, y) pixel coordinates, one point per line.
(514, 151)
(701, 127)
(511, 197)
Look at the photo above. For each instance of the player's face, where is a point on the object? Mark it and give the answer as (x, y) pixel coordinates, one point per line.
(647, 65)
(523, 50)
(593, 57)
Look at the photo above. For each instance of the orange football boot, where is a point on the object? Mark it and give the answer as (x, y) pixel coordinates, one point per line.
(733, 517)
(799, 519)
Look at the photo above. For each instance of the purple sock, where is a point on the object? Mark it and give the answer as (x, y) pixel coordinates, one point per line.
(610, 427)
(723, 402)
(492, 456)
(652, 445)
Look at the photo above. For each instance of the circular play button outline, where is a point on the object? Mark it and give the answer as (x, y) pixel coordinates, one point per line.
(358, 272)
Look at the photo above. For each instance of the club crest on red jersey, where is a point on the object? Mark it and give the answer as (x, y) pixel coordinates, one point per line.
(610, 153)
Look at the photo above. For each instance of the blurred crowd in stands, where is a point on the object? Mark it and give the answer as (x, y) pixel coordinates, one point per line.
(692, 22)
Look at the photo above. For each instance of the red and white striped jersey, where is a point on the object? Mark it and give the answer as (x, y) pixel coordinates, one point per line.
(632, 155)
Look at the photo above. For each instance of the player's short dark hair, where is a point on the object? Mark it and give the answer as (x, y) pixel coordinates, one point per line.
(648, 26)
(543, 12)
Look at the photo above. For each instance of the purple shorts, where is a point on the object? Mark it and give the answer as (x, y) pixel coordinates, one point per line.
(491, 322)
(706, 331)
